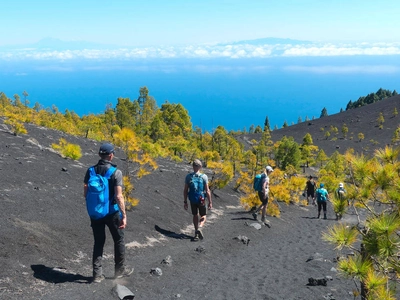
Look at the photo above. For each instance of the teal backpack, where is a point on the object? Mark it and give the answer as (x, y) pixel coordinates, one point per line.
(97, 197)
(321, 194)
(257, 183)
(196, 188)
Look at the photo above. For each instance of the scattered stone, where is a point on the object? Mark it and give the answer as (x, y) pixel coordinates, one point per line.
(317, 281)
(329, 277)
(200, 249)
(156, 271)
(315, 256)
(329, 297)
(333, 269)
(255, 225)
(177, 295)
(245, 240)
(123, 292)
(167, 261)
(64, 169)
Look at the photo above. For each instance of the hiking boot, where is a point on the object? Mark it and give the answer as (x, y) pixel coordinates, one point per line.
(325, 217)
(98, 278)
(200, 234)
(318, 216)
(263, 219)
(123, 272)
(254, 216)
(196, 237)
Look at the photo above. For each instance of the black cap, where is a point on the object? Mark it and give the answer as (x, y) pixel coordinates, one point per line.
(106, 149)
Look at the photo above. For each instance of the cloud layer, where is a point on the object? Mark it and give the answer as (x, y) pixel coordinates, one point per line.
(227, 51)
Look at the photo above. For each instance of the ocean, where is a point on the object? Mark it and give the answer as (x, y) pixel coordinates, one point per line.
(235, 94)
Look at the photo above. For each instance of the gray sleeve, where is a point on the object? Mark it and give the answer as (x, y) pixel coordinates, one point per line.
(205, 178)
(118, 178)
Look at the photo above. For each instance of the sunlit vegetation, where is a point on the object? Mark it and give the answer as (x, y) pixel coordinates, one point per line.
(68, 150)
(144, 132)
(372, 185)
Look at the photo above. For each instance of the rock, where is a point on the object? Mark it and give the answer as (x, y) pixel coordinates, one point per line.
(123, 292)
(317, 281)
(167, 261)
(156, 271)
(200, 249)
(255, 225)
(245, 240)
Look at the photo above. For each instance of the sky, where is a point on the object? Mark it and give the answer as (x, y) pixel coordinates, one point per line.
(145, 23)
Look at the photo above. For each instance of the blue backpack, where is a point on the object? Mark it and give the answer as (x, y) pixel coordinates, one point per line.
(257, 183)
(97, 197)
(196, 188)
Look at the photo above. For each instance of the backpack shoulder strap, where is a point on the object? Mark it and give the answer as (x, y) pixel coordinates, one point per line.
(109, 172)
(92, 171)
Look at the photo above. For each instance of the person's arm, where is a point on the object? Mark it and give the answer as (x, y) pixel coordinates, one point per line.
(85, 188)
(185, 196)
(208, 193)
(119, 198)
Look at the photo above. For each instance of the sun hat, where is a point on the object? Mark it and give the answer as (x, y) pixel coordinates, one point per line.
(321, 185)
(340, 184)
(269, 168)
(106, 149)
(197, 163)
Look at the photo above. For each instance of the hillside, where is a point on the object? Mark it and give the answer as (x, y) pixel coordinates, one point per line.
(360, 120)
(46, 239)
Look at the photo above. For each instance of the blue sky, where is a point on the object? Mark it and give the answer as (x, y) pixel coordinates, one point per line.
(139, 23)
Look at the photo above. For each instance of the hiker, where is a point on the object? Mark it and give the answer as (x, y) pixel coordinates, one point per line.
(115, 219)
(341, 192)
(263, 194)
(322, 198)
(309, 190)
(196, 188)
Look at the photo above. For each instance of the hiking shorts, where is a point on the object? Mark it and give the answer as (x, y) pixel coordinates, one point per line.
(197, 208)
(264, 200)
(311, 193)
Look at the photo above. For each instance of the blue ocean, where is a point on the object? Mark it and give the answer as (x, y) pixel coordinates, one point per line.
(233, 93)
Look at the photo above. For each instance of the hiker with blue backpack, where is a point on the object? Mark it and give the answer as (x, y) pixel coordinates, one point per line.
(261, 185)
(105, 204)
(322, 198)
(196, 189)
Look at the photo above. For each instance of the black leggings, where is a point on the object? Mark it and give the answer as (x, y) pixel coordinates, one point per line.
(321, 204)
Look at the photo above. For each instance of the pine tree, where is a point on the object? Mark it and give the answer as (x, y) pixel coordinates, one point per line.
(324, 112)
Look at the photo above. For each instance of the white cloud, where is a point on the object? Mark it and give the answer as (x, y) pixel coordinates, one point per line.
(207, 51)
(375, 69)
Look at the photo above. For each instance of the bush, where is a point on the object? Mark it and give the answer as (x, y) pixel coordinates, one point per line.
(68, 150)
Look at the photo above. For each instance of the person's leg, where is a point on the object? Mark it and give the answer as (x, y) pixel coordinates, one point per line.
(203, 215)
(117, 234)
(264, 209)
(324, 208)
(196, 222)
(319, 208)
(99, 236)
(195, 213)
